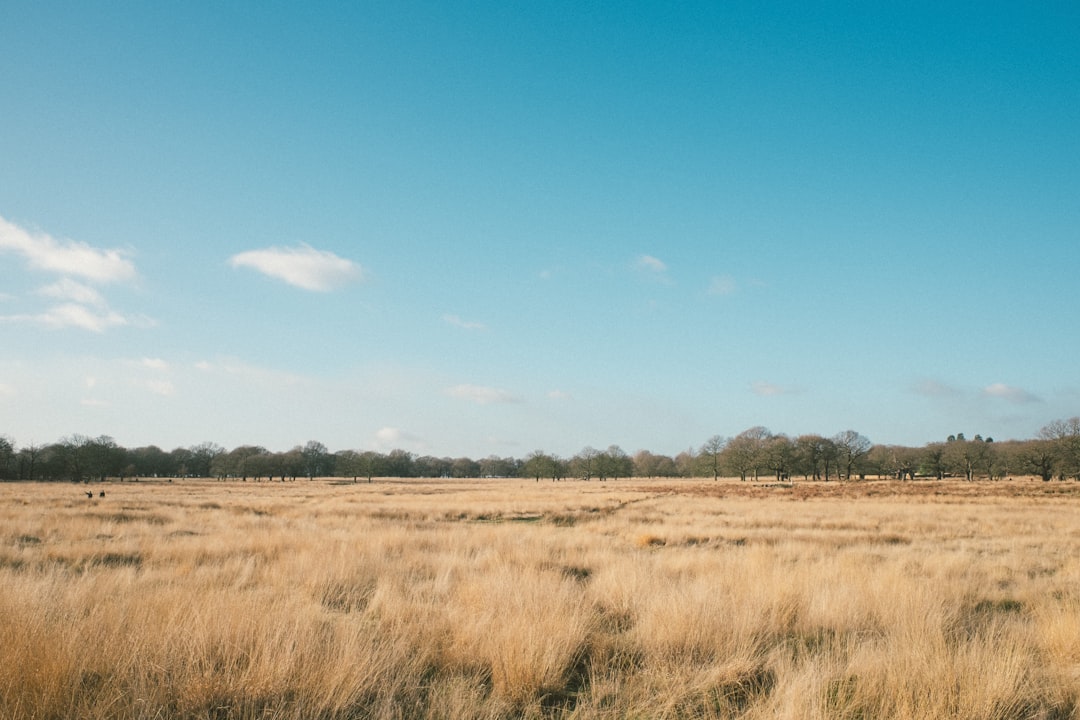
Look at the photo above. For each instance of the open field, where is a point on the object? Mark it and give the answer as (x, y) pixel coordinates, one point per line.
(510, 598)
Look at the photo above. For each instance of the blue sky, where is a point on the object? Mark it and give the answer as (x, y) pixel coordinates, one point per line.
(489, 228)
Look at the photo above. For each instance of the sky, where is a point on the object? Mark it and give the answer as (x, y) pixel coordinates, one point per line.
(487, 228)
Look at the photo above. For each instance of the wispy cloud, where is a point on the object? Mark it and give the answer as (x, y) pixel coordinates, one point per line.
(70, 290)
(71, 315)
(652, 268)
(1015, 395)
(66, 257)
(154, 364)
(456, 321)
(559, 395)
(79, 305)
(302, 266)
(722, 285)
(481, 395)
(934, 389)
(651, 263)
(767, 389)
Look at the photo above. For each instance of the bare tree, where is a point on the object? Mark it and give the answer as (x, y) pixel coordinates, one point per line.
(1065, 435)
(711, 455)
(851, 447)
(585, 462)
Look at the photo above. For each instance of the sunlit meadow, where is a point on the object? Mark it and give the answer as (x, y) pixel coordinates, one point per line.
(511, 598)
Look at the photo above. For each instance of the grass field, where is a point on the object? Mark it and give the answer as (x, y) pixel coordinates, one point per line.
(510, 598)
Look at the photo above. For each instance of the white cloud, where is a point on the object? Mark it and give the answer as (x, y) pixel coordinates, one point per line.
(653, 264)
(464, 324)
(302, 266)
(765, 389)
(722, 285)
(154, 364)
(481, 395)
(66, 257)
(392, 438)
(68, 289)
(559, 395)
(72, 315)
(1015, 395)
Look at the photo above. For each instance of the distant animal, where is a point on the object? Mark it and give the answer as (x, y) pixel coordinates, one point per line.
(89, 494)
(101, 494)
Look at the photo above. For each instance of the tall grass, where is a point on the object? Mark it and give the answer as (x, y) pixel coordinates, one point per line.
(516, 599)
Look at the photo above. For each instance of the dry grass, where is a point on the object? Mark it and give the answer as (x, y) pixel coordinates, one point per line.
(499, 599)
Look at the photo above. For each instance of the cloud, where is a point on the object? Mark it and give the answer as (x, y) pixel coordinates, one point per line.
(68, 289)
(79, 305)
(722, 285)
(1015, 395)
(154, 364)
(481, 395)
(934, 389)
(392, 438)
(765, 389)
(652, 264)
(66, 257)
(302, 266)
(464, 324)
(559, 395)
(72, 315)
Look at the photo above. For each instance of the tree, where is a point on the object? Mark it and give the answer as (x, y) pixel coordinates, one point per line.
(399, 463)
(986, 456)
(464, 467)
(1065, 435)
(933, 460)
(104, 458)
(686, 463)
(75, 453)
(242, 462)
(743, 453)
(646, 464)
(778, 453)
(711, 455)
(496, 467)
(315, 459)
(809, 456)
(584, 463)
(27, 461)
(851, 447)
(614, 463)
(964, 456)
(152, 461)
(1039, 457)
(7, 458)
(539, 464)
(201, 457)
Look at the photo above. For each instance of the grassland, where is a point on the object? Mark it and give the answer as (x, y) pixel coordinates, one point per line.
(509, 598)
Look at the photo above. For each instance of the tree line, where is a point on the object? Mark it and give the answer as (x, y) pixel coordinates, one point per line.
(753, 454)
